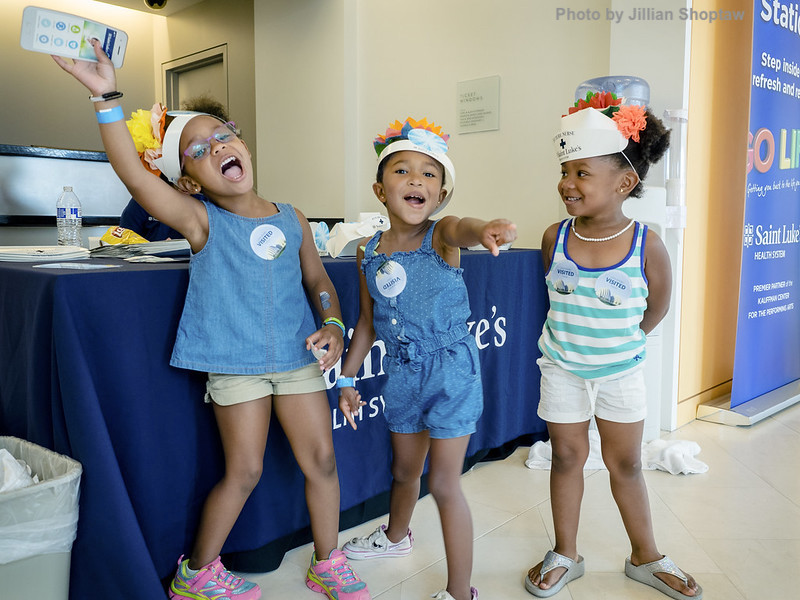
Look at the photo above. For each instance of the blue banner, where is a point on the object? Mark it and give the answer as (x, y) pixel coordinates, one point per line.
(768, 329)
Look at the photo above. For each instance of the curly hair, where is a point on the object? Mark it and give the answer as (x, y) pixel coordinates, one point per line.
(205, 103)
(653, 143)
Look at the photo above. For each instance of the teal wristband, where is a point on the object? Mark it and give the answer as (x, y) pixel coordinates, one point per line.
(346, 382)
(110, 115)
(335, 321)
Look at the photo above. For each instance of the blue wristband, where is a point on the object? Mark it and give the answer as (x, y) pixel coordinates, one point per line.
(337, 322)
(110, 115)
(346, 382)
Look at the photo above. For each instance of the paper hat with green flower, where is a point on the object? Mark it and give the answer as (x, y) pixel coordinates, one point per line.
(598, 126)
(419, 136)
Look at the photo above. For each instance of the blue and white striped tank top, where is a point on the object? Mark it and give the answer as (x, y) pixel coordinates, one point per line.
(592, 328)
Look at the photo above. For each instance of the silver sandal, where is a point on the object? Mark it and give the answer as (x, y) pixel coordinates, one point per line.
(645, 574)
(553, 560)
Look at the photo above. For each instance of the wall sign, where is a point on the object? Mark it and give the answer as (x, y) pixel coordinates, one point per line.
(479, 105)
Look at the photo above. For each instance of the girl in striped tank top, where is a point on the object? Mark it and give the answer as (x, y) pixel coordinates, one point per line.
(609, 283)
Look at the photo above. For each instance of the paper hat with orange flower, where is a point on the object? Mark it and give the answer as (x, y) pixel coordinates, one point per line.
(598, 126)
(419, 136)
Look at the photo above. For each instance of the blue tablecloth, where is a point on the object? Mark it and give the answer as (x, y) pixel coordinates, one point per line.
(84, 371)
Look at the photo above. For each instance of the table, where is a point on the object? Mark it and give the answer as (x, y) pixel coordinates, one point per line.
(84, 371)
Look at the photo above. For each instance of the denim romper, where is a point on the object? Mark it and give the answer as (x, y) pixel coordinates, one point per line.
(246, 310)
(420, 309)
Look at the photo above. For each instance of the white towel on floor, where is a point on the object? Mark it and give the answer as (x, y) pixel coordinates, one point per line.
(673, 456)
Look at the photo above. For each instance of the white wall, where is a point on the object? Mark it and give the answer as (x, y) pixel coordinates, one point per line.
(391, 60)
(299, 73)
(655, 50)
(411, 64)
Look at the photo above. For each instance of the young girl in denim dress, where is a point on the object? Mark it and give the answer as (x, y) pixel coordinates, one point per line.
(246, 322)
(413, 297)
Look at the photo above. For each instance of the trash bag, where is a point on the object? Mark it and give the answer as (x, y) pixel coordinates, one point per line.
(41, 518)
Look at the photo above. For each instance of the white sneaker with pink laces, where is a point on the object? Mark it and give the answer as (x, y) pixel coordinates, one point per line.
(377, 545)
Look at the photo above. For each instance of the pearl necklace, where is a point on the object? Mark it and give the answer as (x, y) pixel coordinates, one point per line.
(603, 239)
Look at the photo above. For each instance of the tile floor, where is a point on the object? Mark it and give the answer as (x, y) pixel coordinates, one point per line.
(736, 528)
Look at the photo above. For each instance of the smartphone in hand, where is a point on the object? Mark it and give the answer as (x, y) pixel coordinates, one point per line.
(63, 34)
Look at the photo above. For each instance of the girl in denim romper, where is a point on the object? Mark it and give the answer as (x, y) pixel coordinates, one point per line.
(252, 259)
(413, 297)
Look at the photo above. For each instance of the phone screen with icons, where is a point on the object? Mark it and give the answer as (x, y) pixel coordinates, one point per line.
(53, 32)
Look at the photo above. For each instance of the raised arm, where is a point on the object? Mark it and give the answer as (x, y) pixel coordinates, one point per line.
(452, 232)
(179, 211)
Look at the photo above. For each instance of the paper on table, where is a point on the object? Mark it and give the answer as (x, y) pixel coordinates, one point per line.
(76, 266)
(41, 253)
(165, 247)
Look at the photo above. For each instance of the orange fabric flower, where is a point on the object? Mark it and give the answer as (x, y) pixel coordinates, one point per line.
(630, 121)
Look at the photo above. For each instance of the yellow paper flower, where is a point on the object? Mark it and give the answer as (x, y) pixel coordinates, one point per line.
(147, 130)
(142, 131)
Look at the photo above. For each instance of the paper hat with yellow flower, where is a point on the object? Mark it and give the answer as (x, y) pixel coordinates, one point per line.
(419, 136)
(598, 126)
(158, 142)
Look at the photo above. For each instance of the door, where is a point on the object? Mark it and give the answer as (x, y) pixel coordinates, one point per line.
(201, 73)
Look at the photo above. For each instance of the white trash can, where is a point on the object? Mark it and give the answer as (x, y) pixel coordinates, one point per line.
(38, 525)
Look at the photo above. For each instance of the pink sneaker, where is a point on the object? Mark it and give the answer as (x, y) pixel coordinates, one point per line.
(212, 582)
(335, 578)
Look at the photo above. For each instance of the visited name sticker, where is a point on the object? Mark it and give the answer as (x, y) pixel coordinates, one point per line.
(267, 241)
(564, 276)
(613, 287)
(390, 279)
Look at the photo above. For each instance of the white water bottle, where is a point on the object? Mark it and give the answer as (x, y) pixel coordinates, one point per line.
(69, 218)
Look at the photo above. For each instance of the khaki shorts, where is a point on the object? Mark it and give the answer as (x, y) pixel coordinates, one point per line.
(226, 389)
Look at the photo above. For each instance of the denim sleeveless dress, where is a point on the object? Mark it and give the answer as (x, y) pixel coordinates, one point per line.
(420, 309)
(246, 310)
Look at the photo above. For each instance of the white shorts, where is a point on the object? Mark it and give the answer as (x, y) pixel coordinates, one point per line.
(567, 398)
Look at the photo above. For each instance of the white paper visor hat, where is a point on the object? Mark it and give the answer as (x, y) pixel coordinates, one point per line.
(169, 163)
(428, 146)
(587, 133)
